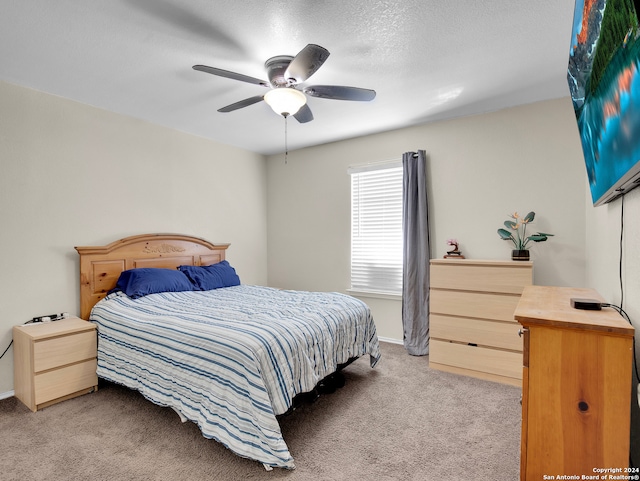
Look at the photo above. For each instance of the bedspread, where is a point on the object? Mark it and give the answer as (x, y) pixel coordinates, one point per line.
(231, 359)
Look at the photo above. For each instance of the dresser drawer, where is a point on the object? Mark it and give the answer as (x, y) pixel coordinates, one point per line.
(494, 361)
(63, 350)
(503, 335)
(64, 381)
(474, 304)
(508, 278)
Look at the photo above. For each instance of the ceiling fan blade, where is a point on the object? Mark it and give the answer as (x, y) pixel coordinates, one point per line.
(338, 92)
(304, 115)
(242, 103)
(232, 75)
(306, 63)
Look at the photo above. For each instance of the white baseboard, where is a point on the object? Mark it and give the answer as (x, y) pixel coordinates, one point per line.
(8, 394)
(391, 341)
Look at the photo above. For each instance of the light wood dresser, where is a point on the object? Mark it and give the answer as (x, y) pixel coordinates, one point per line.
(576, 390)
(54, 361)
(471, 323)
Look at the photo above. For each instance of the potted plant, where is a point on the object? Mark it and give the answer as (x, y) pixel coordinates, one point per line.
(517, 234)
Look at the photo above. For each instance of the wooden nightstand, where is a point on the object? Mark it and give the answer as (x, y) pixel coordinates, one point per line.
(54, 361)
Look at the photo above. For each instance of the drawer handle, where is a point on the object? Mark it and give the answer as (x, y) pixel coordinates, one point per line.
(521, 332)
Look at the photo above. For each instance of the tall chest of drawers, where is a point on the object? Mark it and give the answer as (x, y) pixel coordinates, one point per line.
(471, 324)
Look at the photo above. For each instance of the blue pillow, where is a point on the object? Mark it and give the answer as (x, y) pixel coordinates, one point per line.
(150, 280)
(215, 276)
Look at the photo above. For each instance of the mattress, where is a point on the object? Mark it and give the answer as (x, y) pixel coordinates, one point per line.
(231, 359)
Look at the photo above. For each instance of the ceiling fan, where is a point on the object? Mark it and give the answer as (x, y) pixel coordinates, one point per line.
(285, 74)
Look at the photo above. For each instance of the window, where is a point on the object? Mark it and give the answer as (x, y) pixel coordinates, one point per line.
(376, 228)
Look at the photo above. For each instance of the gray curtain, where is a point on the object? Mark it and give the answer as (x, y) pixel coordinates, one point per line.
(416, 254)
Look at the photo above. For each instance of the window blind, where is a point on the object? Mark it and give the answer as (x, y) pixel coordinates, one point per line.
(376, 229)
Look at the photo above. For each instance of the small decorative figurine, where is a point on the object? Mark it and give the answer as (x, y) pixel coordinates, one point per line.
(454, 251)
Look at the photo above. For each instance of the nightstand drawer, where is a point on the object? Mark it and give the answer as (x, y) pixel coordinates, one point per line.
(63, 350)
(61, 382)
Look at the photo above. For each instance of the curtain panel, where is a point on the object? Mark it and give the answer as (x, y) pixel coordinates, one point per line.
(416, 253)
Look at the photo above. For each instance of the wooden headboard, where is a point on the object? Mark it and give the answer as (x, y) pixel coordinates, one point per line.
(100, 266)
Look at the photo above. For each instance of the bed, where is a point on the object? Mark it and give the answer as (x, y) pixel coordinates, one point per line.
(230, 358)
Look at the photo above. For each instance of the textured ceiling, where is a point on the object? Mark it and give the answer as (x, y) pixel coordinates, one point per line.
(426, 59)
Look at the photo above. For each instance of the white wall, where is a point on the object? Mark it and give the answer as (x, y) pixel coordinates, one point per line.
(481, 169)
(603, 260)
(603, 250)
(71, 174)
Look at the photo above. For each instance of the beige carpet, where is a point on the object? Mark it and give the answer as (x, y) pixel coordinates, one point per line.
(400, 421)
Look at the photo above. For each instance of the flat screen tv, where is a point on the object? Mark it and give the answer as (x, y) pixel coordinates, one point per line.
(604, 82)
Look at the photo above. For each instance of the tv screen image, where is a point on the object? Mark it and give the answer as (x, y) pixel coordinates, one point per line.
(604, 83)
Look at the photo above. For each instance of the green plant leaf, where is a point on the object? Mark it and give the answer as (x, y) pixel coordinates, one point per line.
(529, 217)
(510, 224)
(537, 237)
(544, 233)
(505, 234)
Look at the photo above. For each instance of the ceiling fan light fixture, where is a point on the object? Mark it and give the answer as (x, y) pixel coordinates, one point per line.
(285, 101)
(286, 74)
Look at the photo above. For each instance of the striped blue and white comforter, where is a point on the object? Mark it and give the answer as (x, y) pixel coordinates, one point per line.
(231, 359)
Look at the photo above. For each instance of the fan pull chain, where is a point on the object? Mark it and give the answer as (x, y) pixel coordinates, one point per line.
(286, 143)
